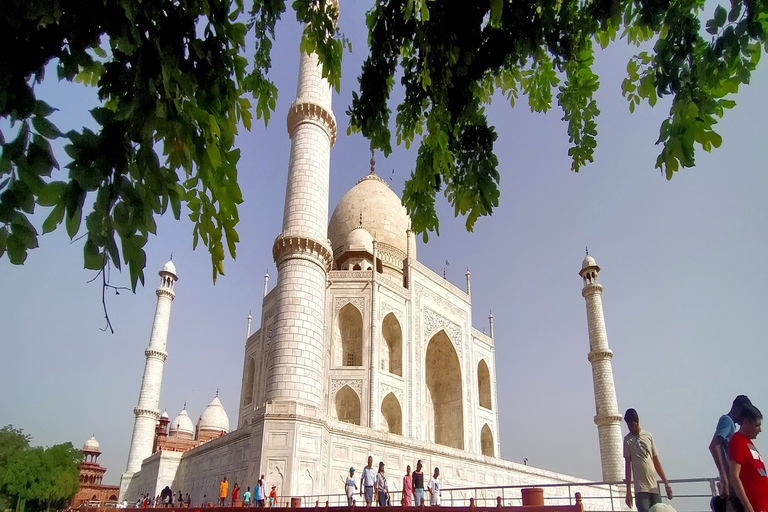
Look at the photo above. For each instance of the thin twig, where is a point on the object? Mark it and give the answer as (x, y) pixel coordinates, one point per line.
(104, 285)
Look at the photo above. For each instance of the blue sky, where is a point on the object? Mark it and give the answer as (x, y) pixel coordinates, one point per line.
(685, 283)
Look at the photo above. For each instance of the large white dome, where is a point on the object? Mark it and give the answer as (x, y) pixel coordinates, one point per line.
(182, 424)
(214, 417)
(372, 205)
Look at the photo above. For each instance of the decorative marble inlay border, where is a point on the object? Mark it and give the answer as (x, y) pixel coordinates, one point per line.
(340, 302)
(387, 309)
(355, 384)
(434, 321)
(385, 389)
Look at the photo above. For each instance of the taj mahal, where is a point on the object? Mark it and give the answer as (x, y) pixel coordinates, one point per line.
(360, 350)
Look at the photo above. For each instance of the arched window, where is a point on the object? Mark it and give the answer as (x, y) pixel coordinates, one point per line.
(445, 414)
(348, 406)
(392, 351)
(348, 346)
(250, 371)
(486, 441)
(484, 385)
(391, 415)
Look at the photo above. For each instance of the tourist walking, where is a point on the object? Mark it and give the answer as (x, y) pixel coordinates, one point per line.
(367, 481)
(235, 494)
(350, 486)
(262, 494)
(180, 501)
(272, 496)
(382, 489)
(748, 473)
(223, 492)
(434, 488)
(718, 447)
(642, 460)
(407, 488)
(247, 497)
(189, 501)
(418, 484)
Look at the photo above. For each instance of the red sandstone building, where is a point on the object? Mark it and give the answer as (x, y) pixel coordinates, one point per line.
(92, 492)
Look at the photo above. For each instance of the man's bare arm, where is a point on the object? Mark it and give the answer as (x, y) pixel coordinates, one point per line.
(717, 447)
(628, 481)
(735, 468)
(660, 471)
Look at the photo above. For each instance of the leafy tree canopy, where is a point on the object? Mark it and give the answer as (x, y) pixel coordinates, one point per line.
(43, 476)
(12, 442)
(174, 81)
(455, 55)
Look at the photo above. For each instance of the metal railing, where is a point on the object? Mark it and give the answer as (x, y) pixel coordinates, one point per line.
(690, 495)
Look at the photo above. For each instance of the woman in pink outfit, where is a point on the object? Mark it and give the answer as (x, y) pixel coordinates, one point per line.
(407, 488)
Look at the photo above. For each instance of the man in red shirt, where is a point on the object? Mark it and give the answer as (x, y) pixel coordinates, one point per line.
(748, 475)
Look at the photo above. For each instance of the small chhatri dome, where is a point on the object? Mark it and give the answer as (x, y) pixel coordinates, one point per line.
(169, 267)
(214, 417)
(589, 261)
(359, 240)
(164, 415)
(182, 424)
(384, 216)
(91, 445)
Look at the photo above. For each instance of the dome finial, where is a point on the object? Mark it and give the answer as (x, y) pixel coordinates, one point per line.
(185, 405)
(373, 162)
(217, 391)
(587, 248)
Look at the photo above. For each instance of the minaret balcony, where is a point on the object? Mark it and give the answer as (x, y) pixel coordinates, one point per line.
(297, 246)
(306, 112)
(591, 289)
(600, 356)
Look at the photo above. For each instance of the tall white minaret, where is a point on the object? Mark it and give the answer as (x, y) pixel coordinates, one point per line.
(147, 411)
(607, 417)
(302, 253)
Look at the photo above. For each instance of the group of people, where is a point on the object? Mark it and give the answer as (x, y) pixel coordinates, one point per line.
(164, 499)
(258, 498)
(743, 477)
(375, 484)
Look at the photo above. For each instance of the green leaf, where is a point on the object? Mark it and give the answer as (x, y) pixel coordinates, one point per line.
(93, 259)
(720, 15)
(54, 218)
(73, 221)
(3, 240)
(51, 193)
(497, 8)
(17, 250)
(45, 128)
(42, 109)
(25, 233)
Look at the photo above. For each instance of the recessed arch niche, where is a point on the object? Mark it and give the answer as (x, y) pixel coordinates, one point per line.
(391, 415)
(445, 411)
(486, 441)
(348, 336)
(250, 372)
(347, 406)
(484, 385)
(392, 351)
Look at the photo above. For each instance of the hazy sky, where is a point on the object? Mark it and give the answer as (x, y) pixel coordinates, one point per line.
(684, 277)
